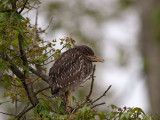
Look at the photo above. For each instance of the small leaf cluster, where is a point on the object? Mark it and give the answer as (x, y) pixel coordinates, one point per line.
(88, 113)
(127, 113)
(14, 25)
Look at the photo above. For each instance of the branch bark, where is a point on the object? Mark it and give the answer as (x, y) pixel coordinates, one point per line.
(43, 76)
(24, 111)
(91, 88)
(23, 6)
(28, 87)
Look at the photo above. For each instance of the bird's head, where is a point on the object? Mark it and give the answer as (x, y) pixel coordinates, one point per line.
(89, 54)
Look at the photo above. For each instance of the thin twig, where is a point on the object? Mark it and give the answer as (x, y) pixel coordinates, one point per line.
(41, 90)
(43, 76)
(47, 63)
(47, 96)
(42, 31)
(4, 102)
(98, 104)
(23, 7)
(101, 95)
(35, 26)
(91, 88)
(9, 10)
(87, 100)
(24, 111)
(33, 6)
(7, 114)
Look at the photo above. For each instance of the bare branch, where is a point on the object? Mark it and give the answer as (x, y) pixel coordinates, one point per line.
(14, 2)
(13, 67)
(9, 10)
(91, 88)
(35, 26)
(25, 110)
(98, 104)
(33, 6)
(43, 76)
(42, 31)
(102, 95)
(87, 100)
(7, 114)
(4, 102)
(47, 63)
(42, 90)
(23, 7)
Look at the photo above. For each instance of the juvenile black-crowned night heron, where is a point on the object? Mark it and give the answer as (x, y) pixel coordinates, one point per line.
(71, 69)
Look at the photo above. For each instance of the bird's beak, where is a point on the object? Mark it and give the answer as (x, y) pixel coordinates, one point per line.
(95, 58)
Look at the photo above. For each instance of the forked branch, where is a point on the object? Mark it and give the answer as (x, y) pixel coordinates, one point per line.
(88, 100)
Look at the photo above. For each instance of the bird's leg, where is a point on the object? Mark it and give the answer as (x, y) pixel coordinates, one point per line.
(70, 98)
(66, 107)
(69, 102)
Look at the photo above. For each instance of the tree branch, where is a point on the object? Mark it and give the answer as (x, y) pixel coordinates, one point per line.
(9, 10)
(102, 95)
(42, 90)
(25, 110)
(14, 4)
(13, 67)
(35, 26)
(23, 7)
(91, 88)
(5, 102)
(7, 114)
(98, 104)
(28, 87)
(87, 100)
(43, 76)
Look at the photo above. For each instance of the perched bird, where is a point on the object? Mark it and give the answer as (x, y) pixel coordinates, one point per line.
(71, 69)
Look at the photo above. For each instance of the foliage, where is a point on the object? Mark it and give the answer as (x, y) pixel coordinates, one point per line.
(23, 56)
(87, 113)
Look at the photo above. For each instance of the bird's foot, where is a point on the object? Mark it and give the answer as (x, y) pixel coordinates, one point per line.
(69, 109)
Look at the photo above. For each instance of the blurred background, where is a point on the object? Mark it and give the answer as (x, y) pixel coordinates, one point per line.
(125, 33)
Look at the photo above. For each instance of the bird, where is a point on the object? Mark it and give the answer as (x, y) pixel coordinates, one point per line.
(71, 69)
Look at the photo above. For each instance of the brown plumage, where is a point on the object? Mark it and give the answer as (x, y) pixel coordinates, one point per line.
(71, 68)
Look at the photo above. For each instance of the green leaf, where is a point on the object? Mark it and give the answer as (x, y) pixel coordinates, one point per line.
(138, 110)
(26, 69)
(111, 114)
(58, 107)
(42, 109)
(18, 17)
(113, 106)
(68, 46)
